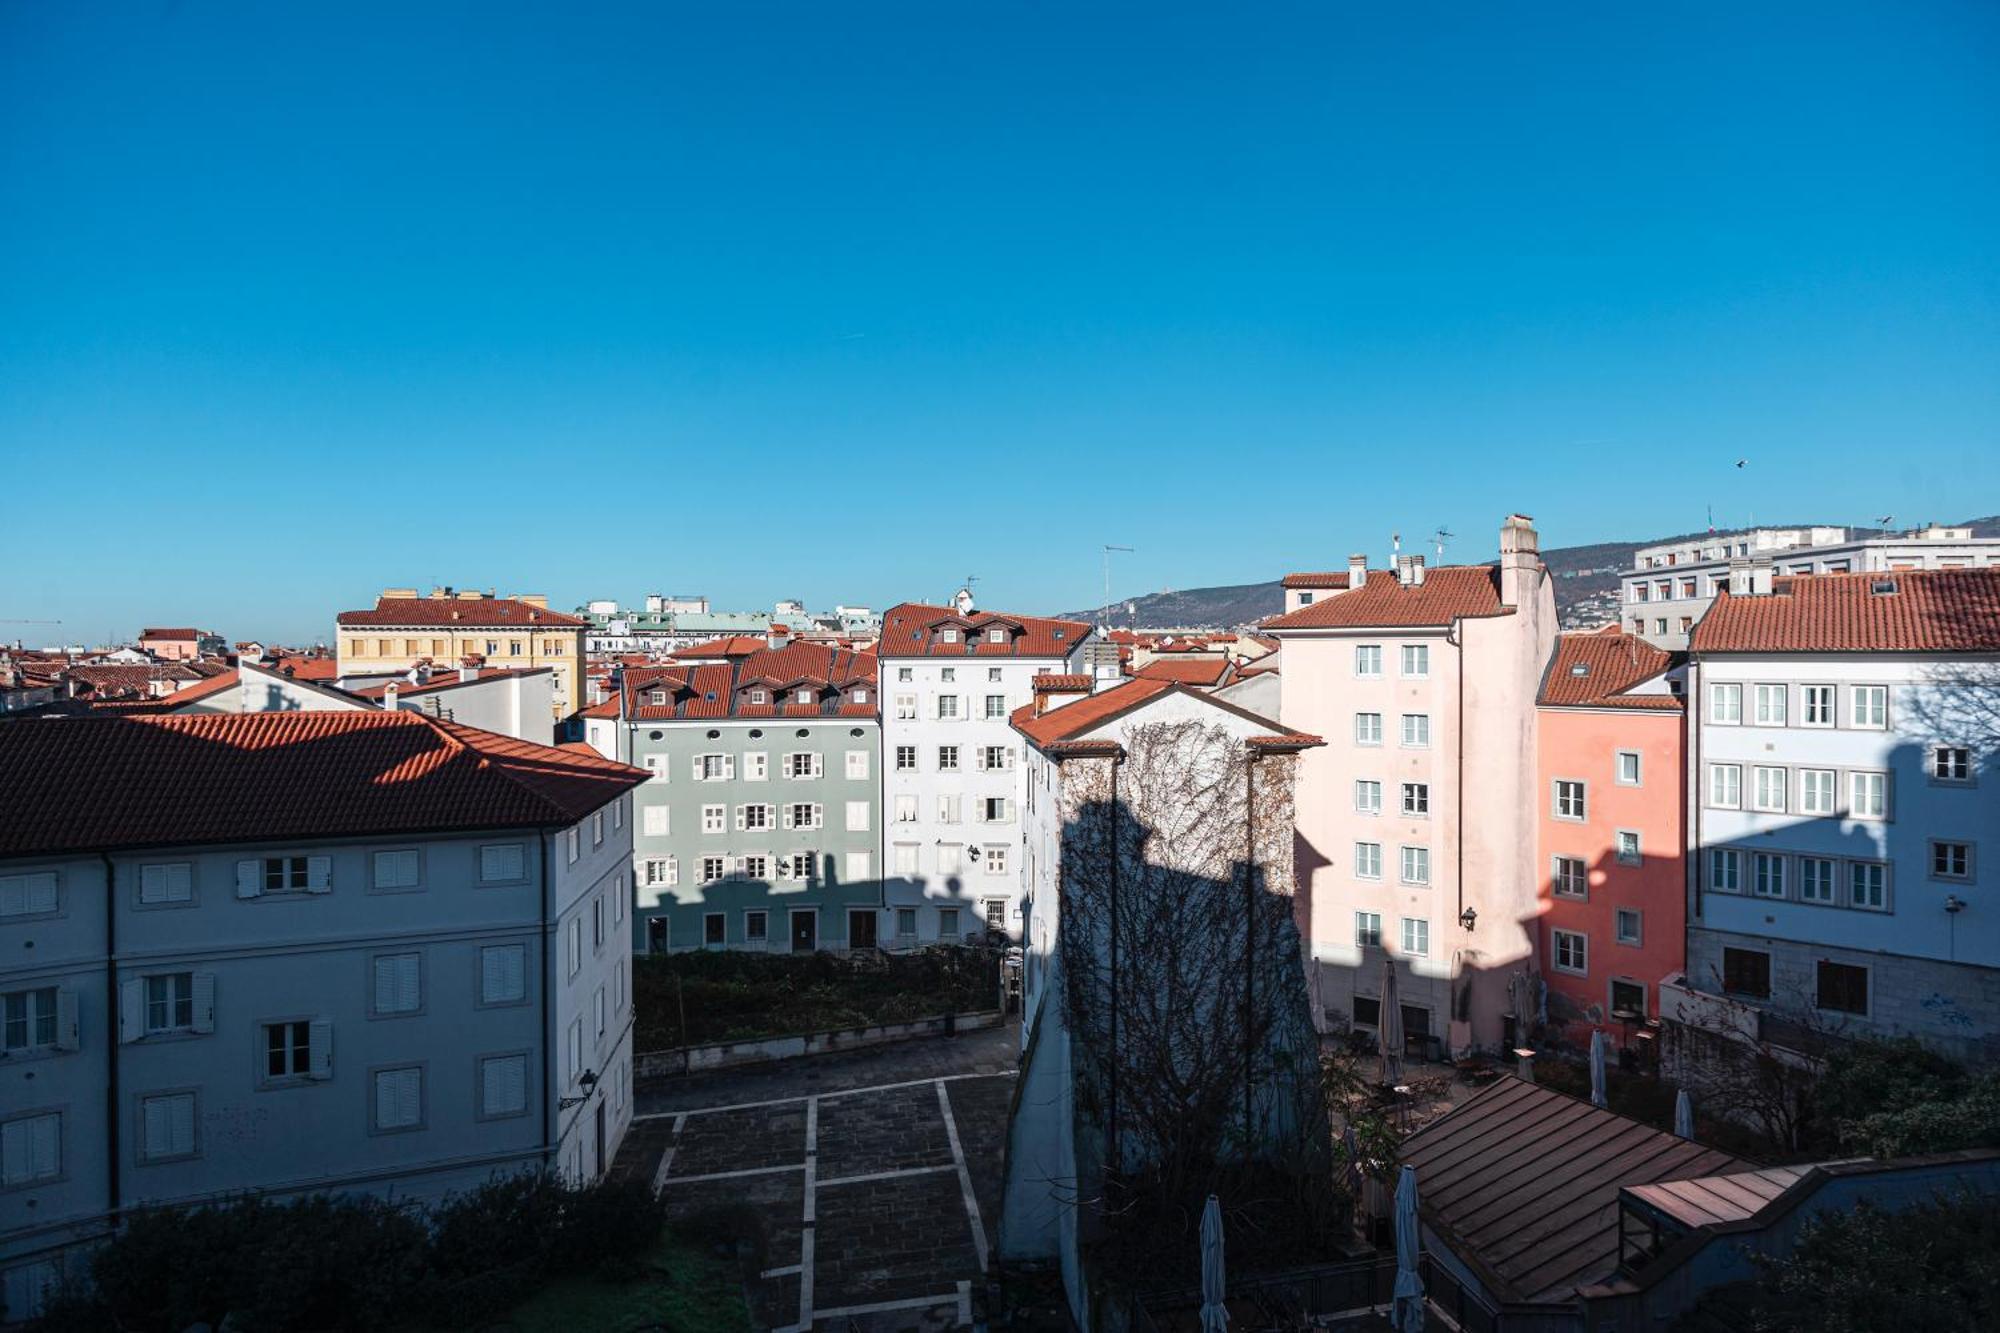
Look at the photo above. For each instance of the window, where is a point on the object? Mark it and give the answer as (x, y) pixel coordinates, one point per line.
(1416, 865)
(500, 863)
(798, 866)
(904, 675)
(1725, 704)
(948, 927)
(947, 707)
(28, 1019)
(1368, 860)
(906, 809)
(996, 705)
(1869, 707)
(857, 765)
(1816, 703)
(597, 829)
(1367, 659)
(166, 1126)
(753, 817)
(1769, 703)
(948, 803)
(756, 924)
(713, 868)
(1416, 937)
(656, 765)
(659, 872)
(1868, 885)
(503, 1086)
(803, 815)
(1628, 997)
(1416, 659)
(29, 895)
(1630, 926)
(756, 766)
(1951, 763)
(1951, 860)
(1725, 786)
(1367, 930)
(857, 816)
(947, 636)
(947, 758)
(597, 922)
(1816, 791)
(906, 923)
(1572, 952)
(1367, 728)
(710, 767)
(1816, 880)
(755, 865)
(167, 882)
(290, 874)
(399, 1098)
(713, 818)
(1767, 874)
(288, 1050)
(714, 928)
(1570, 877)
(1627, 767)
(572, 840)
(803, 764)
(857, 867)
(995, 758)
(903, 858)
(1417, 731)
(31, 1148)
(1568, 799)
(996, 860)
(993, 673)
(950, 858)
(1725, 870)
(1843, 988)
(503, 973)
(1868, 795)
(906, 758)
(1367, 797)
(1367, 1011)
(906, 706)
(575, 945)
(996, 809)
(1747, 972)
(1416, 798)
(1767, 788)
(169, 1003)
(1628, 847)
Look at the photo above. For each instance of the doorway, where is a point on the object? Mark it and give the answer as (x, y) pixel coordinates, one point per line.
(805, 930)
(861, 926)
(601, 1163)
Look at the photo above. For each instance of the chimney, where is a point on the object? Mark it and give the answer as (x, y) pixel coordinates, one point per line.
(1750, 576)
(389, 697)
(1357, 571)
(777, 636)
(535, 599)
(1409, 570)
(1520, 559)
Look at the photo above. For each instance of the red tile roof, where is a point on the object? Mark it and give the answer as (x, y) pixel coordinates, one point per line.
(308, 668)
(1448, 593)
(1064, 726)
(730, 645)
(910, 630)
(1929, 611)
(1335, 579)
(724, 689)
(1054, 682)
(1189, 671)
(213, 685)
(174, 632)
(1592, 670)
(445, 679)
(485, 612)
(91, 784)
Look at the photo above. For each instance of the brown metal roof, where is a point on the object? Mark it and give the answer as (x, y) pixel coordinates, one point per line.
(1522, 1184)
(1707, 1200)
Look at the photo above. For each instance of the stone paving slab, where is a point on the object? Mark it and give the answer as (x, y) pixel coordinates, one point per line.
(882, 1131)
(885, 1240)
(741, 1140)
(980, 1107)
(778, 1199)
(988, 1051)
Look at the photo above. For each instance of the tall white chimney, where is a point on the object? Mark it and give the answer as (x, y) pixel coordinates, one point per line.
(1520, 559)
(1357, 571)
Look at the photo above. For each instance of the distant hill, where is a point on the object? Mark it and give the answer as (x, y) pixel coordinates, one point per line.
(1586, 587)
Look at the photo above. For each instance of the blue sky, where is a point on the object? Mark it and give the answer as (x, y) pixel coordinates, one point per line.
(845, 301)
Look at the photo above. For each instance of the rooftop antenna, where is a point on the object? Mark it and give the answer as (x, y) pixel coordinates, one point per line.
(1884, 521)
(1108, 549)
(1441, 536)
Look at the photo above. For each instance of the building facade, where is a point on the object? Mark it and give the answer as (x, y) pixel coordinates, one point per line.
(1417, 819)
(1844, 794)
(1609, 726)
(447, 627)
(1670, 586)
(760, 825)
(953, 783)
(234, 958)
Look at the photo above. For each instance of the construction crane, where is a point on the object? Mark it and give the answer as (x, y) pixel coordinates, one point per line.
(30, 622)
(1108, 549)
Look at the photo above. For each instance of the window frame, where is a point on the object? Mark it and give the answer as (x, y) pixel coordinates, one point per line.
(1556, 794)
(1618, 778)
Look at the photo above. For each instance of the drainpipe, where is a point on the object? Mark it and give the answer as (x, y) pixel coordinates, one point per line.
(111, 1045)
(1112, 1135)
(1691, 791)
(548, 1031)
(1249, 936)
(1455, 636)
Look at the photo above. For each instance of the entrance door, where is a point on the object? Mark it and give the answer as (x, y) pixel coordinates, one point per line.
(861, 930)
(601, 1163)
(1416, 1031)
(805, 931)
(656, 934)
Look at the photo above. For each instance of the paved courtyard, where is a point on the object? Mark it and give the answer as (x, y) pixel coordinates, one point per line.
(876, 1174)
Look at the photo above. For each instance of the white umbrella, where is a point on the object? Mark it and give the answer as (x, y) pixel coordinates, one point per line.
(1683, 1114)
(1389, 1030)
(1408, 1313)
(1597, 1045)
(1214, 1317)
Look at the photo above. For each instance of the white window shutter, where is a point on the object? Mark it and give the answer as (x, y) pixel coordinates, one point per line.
(152, 883)
(739, 818)
(788, 816)
(697, 768)
(204, 1002)
(819, 815)
(69, 1036)
(157, 1127)
(319, 874)
(131, 1010)
(319, 1058)
(728, 766)
(385, 985)
(249, 879)
(673, 871)
(979, 758)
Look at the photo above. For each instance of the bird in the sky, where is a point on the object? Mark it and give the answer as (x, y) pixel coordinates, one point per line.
(1741, 461)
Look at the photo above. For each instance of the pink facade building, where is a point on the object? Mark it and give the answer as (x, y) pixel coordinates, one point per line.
(1610, 733)
(1417, 821)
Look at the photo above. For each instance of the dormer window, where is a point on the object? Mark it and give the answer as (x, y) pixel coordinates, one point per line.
(996, 635)
(759, 697)
(947, 636)
(861, 696)
(1882, 587)
(805, 696)
(657, 698)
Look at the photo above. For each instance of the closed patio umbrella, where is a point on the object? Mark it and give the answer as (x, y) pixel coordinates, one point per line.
(1389, 1031)
(1597, 1047)
(1684, 1114)
(1408, 1312)
(1350, 1148)
(1214, 1315)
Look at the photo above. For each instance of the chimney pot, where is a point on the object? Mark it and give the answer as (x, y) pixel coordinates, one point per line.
(1357, 570)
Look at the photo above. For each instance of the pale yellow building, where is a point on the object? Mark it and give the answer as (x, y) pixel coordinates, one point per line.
(449, 626)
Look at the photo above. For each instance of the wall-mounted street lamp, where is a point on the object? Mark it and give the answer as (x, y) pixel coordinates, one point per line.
(1954, 904)
(587, 1080)
(1468, 918)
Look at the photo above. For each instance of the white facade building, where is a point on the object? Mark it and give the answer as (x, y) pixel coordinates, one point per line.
(952, 778)
(1670, 586)
(279, 971)
(1844, 794)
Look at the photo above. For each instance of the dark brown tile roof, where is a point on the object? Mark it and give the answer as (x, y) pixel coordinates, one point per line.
(1925, 611)
(1592, 670)
(1448, 593)
(1188, 671)
(464, 613)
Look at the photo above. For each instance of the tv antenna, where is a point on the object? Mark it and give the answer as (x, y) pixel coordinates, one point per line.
(1884, 521)
(1108, 549)
(1441, 536)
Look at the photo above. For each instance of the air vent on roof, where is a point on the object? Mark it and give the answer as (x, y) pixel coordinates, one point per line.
(1059, 634)
(1882, 586)
(710, 696)
(1580, 669)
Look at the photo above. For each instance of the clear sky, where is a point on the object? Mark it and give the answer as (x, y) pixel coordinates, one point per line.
(847, 300)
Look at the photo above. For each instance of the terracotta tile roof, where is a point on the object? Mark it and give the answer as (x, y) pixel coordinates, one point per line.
(1055, 682)
(446, 679)
(725, 689)
(308, 668)
(910, 630)
(122, 681)
(1335, 579)
(91, 784)
(174, 632)
(219, 684)
(1448, 593)
(486, 612)
(1592, 670)
(730, 645)
(1188, 671)
(1066, 725)
(1929, 611)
